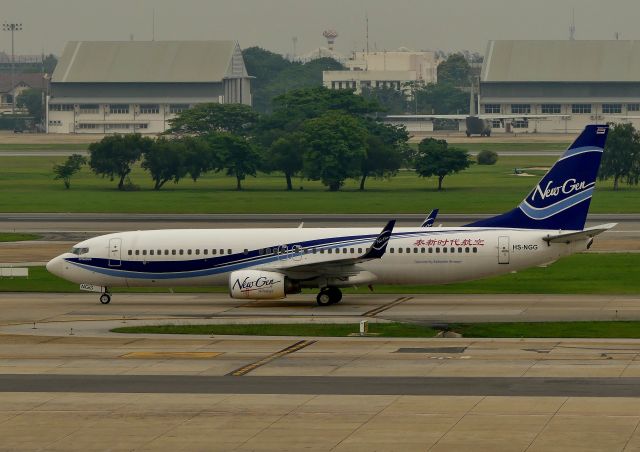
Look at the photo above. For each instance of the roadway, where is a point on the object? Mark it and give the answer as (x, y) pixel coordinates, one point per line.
(67, 383)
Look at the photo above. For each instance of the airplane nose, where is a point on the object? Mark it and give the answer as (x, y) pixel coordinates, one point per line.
(54, 266)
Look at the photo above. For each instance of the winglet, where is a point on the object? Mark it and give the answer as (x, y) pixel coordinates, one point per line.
(431, 218)
(379, 246)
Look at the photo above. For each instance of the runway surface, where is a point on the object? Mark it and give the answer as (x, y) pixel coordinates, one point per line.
(67, 383)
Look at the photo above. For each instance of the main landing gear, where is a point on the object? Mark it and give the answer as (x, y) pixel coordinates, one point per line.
(329, 295)
(105, 298)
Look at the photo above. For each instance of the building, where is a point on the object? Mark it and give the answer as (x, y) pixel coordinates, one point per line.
(398, 70)
(138, 86)
(577, 82)
(12, 86)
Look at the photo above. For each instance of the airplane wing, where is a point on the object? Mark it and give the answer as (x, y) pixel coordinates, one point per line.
(340, 267)
(580, 235)
(431, 218)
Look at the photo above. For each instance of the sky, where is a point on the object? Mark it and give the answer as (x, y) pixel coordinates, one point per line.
(448, 25)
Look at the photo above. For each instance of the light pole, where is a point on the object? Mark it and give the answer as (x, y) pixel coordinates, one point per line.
(12, 27)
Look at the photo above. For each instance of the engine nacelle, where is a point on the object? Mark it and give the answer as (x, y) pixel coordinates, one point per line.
(257, 285)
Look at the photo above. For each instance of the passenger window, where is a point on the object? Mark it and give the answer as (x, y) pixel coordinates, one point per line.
(137, 252)
(459, 250)
(246, 251)
(197, 252)
(423, 250)
(166, 252)
(352, 251)
(159, 253)
(329, 250)
(205, 251)
(444, 250)
(130, 253)
(173, 252)
(430, 250)
(181, 252)
(415, 250)
(399, 250)
(213, 251)
(229, 252)
(189, 252)
(408, 250)
(437, 250)
(475, 250)
(466, 250)
(321, 251)
(151, 252)
(345, 251)
(359, 250)
(453, 250)
(144, 252)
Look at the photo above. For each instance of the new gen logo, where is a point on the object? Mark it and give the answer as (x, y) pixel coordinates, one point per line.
(569, 186)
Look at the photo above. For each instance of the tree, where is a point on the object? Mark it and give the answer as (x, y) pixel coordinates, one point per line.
(386, 150)
(70, 167)
(31, 99)
(308, 103)
(435, 158)
(115, 154)
(335, 145)
(441, 99)
(200, 156)
(486, 157)
(237, 155)
(621, 156)
(392, 100)
(165, 160)
(455, 70)
(285, 154)
(204, 119)
(49, 63)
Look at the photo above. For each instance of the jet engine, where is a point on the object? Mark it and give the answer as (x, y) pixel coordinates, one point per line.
(260, 285)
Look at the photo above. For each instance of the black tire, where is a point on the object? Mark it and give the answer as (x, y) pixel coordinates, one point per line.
(105, 298)
(324, 298)
(335, 294)
(468, 134)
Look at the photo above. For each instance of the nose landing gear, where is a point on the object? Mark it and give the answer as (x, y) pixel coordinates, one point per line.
(328, 296)
(105, 298)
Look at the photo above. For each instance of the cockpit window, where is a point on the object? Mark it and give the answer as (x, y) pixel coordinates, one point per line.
(79, 251)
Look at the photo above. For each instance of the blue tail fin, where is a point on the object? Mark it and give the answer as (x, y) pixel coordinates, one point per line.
(561, 199)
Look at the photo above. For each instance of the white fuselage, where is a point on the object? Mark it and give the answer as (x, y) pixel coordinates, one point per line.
(183, 257)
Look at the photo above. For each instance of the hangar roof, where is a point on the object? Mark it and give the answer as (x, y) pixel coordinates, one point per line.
(149, 61)
(562, 61)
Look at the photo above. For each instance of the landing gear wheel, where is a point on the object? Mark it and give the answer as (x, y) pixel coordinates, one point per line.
(105, 298)
(329, 295)
(323, 298)
(335, 294)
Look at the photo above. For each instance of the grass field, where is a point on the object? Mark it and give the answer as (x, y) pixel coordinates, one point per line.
(299, 329)
(578, 274)
(601, 329)
(16, 237)
(27, 185)
(43, 146)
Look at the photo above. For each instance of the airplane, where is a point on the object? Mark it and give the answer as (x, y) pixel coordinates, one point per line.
(272, 263)
(431, 218)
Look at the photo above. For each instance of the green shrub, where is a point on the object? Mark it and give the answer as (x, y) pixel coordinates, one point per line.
(486, 157)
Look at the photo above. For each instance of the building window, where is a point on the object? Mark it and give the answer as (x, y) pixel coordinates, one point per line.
(55, 122)
(89, 109)
(119, 109)
(550, 109)
(116, 126)
(496, 124)
(581, 108)
(61, 107)
(521, 108)
(633, 107)
(492, 108)
(150, 109)
(174, 109)
(612, 108)
(520, 123)
(88, 126)
(140, 126)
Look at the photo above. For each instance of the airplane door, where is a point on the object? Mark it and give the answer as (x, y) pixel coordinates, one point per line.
(503, 249)
(115, 252)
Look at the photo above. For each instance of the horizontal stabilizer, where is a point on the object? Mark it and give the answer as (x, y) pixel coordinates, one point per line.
(579, 235)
